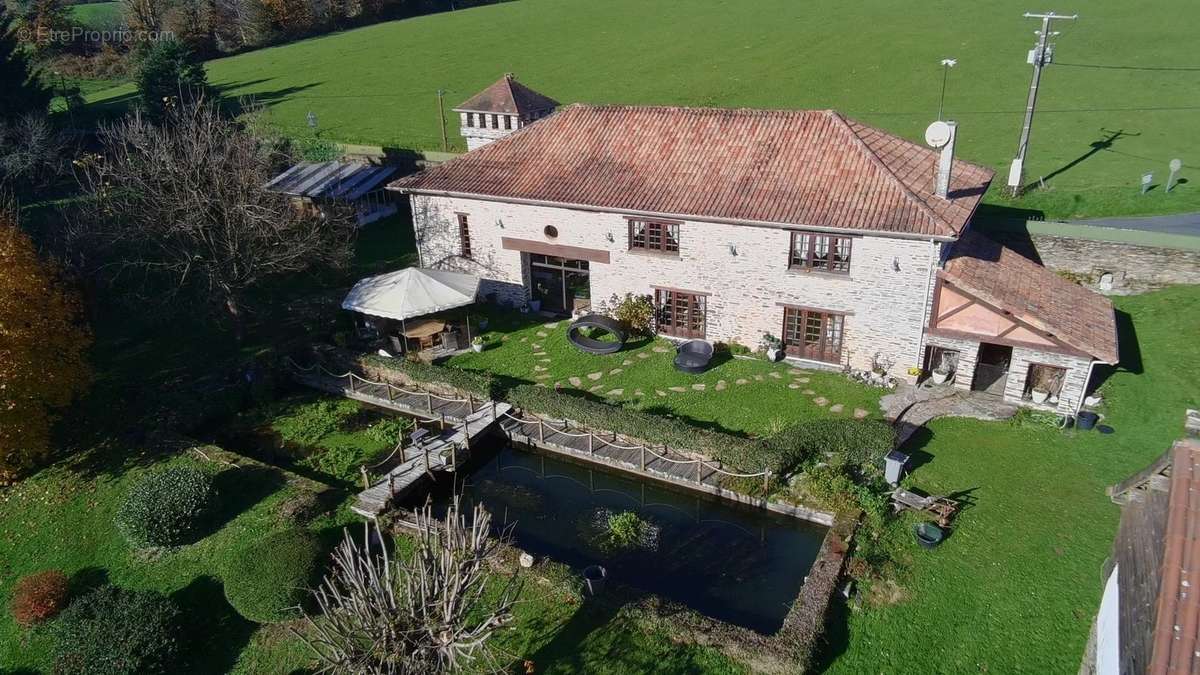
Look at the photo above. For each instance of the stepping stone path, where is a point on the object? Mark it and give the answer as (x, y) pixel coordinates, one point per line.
(643, 355)
(859, 413)
(808, 392)
(596, 388)
(575, 381)
(538, 369)
(660, 392)
(639, 392)
(615, 371)
(741, 380)
(821, 401)
(535, 345)
(720, 385)
(595, 376)
(836, 408)
(678, 390)
(775, 374)
(540, 354)
(615, 392)
(802, 380)
(544, 360)
(796, 371)
(543, 376)
(793, 386)
(699, 387)
(627, 362)
(661, 349)
(540, 333)
(550, 326)
(758, 378)
(524, 338)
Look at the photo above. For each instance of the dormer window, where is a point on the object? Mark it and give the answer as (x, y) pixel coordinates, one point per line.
(819, 253)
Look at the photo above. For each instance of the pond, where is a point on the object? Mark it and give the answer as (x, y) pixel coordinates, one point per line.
(733, 563)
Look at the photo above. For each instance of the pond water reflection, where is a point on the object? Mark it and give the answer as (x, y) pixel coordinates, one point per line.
(740, 565)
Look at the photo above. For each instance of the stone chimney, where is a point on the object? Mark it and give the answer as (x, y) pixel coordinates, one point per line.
(946, 163)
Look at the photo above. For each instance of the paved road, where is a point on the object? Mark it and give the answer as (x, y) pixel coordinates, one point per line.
(1184, 223)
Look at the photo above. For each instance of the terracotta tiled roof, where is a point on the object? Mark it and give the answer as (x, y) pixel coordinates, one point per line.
(1177, 618)
(1079, 317)
(786, 167)
(506, 95)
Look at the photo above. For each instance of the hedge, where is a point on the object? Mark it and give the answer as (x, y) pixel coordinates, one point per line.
(742, 454)
(271, 577)
(482, 385)
(861, 443)
(168, 507)
(114, 631)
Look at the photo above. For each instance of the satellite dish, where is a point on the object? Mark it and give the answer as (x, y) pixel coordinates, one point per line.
(1176, 165)
(938, 134)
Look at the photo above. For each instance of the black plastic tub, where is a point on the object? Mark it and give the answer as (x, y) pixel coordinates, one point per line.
(1086, 420)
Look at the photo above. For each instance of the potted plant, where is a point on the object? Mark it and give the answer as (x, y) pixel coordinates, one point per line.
(941, 374)
(478, 343)
(773, 346)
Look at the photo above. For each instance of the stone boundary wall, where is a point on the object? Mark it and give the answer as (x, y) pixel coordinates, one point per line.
(1102, 264)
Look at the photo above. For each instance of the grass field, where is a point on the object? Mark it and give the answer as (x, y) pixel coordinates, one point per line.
(1121, 98)
(97, 15)
(1015, 588)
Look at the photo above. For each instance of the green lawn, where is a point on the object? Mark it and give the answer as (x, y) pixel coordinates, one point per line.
(1016, 586)
(1120, 68)
(97, 15)
(740, 396)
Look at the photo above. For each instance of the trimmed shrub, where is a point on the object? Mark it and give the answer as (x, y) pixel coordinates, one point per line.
(308, 423)
(861, 443)
(168, 507)
(634, 312)
(113, 631)
(743, 454)
(482, 385)
(270, 579)
(39, 597)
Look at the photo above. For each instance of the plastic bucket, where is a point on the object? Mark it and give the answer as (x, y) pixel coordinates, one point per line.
(1086, 420)
(594, 576)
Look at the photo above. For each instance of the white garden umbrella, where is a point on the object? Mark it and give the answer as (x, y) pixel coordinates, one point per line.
(412, 292)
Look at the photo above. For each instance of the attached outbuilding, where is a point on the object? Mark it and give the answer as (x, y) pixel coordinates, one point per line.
(359, 185)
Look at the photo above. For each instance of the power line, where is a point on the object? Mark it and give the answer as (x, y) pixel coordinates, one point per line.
(1041, 55)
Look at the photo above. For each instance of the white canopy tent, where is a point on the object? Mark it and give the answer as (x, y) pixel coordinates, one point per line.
(412, 292)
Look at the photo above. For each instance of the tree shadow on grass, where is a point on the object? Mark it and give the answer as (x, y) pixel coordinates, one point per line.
(241, 488)
(563, 648)
(86, 580)
(215, 634)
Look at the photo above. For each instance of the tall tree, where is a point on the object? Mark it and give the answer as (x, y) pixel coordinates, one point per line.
(43, 345)
(169, 75)
(22, 92)
(179, 209)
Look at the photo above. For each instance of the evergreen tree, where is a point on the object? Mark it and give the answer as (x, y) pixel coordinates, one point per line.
(169, 75)
(21, 90)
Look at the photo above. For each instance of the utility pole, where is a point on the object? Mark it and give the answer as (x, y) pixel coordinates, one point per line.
(1041, 55)
(442, 114)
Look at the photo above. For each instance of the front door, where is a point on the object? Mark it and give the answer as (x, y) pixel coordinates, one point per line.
(991, 368)
(811, 334)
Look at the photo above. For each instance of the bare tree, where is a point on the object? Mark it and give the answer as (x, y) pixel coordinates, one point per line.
(432, 612)
(181, 207)
(33, 154)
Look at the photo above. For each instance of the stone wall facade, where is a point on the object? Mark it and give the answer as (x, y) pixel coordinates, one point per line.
(742, 269)
(1075, 384)
(1108, 267)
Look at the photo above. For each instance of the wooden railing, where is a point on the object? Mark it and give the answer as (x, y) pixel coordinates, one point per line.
(594, 440)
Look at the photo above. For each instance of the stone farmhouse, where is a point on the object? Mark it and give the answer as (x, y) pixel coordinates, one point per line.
(850, 244)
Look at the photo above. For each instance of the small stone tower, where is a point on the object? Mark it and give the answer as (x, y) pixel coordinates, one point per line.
(499, 110)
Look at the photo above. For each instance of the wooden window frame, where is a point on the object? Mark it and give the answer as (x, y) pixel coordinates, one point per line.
(464, 236)
(1027, 388)
(804, 254)
(471, 120)
(668, 302)
(657, 236)
(508, 122)
(831, 338)
(495, 121)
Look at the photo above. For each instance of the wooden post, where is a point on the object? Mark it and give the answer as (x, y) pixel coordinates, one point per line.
(443, 421)
(591, 450)
(766, 482)
(470, 403)
(389, 391)
(453, 455)
(366, 481)
(643, 457)
(351, 376)
(541, 432)
(392, 484)
(699, 471)
(429, 401)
